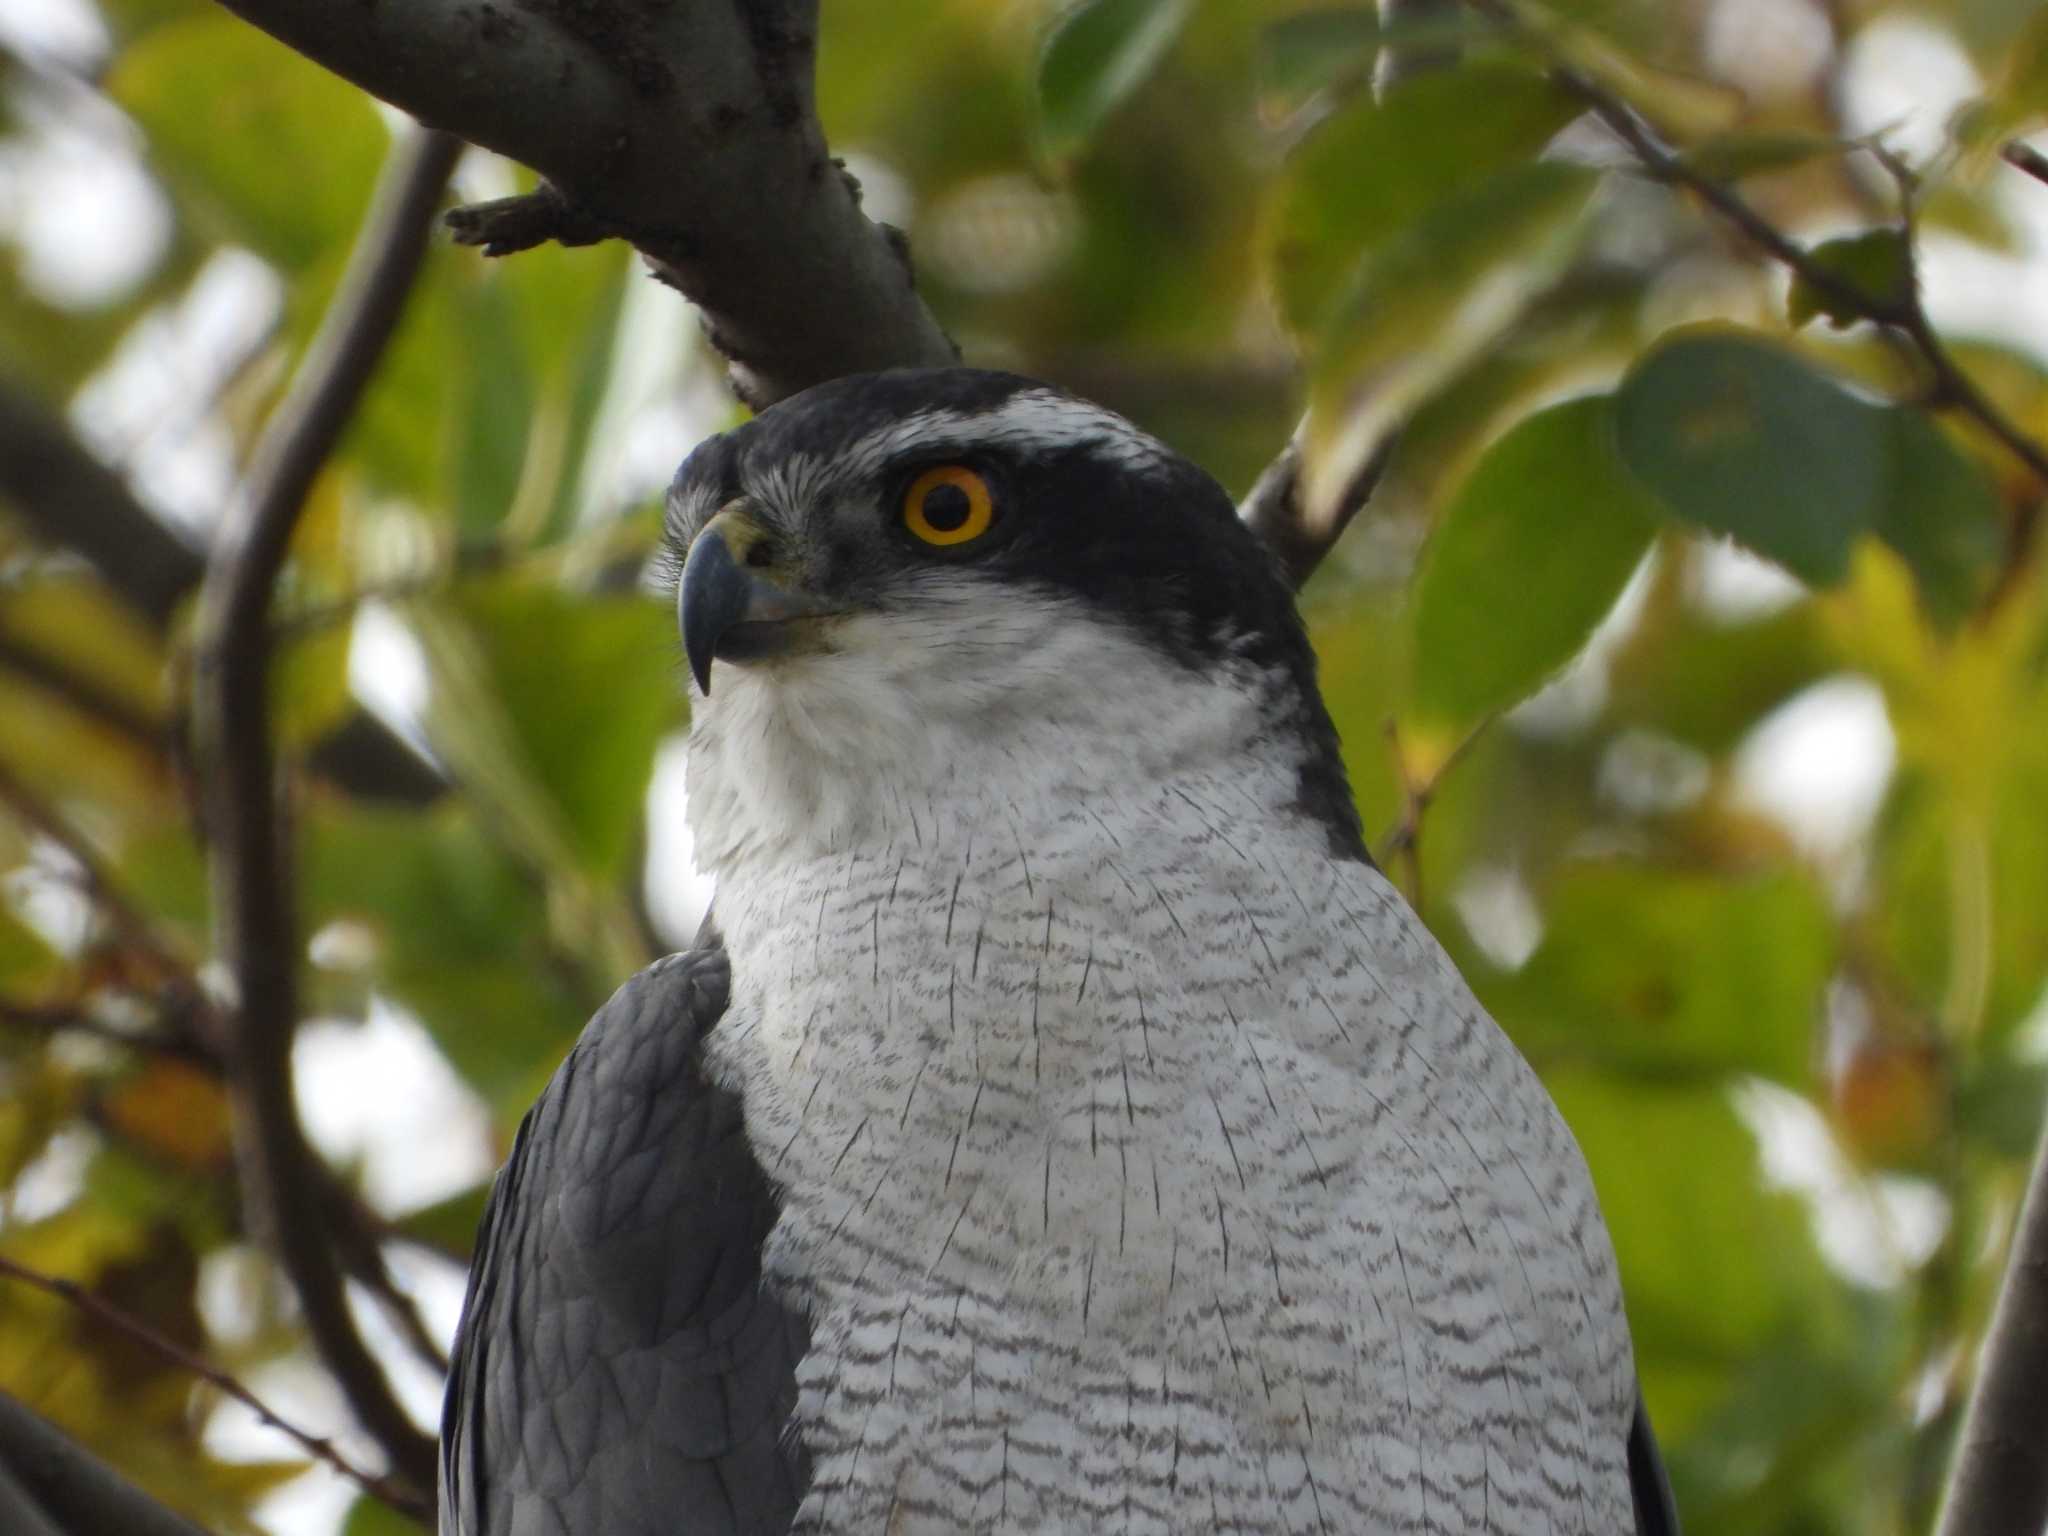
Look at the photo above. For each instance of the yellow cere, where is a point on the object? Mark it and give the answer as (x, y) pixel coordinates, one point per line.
(948, 505)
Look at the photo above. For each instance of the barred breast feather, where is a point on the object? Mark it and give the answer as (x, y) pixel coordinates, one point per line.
(1146, 1167)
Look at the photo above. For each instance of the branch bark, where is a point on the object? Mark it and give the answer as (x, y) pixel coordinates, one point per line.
(282, 1178)
(1277, 510)
(2000, 1479)
(51, 1486)
(688, 129)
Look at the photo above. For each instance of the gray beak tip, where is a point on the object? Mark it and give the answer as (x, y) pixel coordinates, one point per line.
(711, 598)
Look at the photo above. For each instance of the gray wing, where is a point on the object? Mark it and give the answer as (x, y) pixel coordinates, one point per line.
(619, 1367)
(1656, 1514)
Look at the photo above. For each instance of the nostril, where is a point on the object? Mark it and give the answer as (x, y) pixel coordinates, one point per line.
(761, 554)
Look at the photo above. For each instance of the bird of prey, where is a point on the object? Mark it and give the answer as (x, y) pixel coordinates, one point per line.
(1066, 1127)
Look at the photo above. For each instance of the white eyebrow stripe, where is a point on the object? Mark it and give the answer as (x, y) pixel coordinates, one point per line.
(1035, 419)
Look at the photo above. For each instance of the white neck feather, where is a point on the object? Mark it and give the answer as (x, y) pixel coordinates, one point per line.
(979, 699)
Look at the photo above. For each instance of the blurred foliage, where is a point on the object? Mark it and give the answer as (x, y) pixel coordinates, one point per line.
(1208, 216)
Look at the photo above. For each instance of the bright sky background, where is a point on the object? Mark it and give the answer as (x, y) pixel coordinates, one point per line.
(88, 222)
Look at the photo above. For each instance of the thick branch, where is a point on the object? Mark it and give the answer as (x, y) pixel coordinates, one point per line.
(2000, 1480)
(251, 873)
(51, 1486)
(689, 129)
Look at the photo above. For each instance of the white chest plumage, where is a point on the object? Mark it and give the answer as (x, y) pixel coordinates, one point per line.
(1146, 1168)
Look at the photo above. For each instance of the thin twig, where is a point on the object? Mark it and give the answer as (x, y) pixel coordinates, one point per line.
(1901, 312)
(2000, 1478)
(252, 884)
(50, 1018)
(129, 924)
(71, 1292)
(357, 1232)
(87, 695)
(1404, 837)
(2024, 157)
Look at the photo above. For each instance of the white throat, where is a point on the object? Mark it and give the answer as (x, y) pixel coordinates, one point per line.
(982, 701)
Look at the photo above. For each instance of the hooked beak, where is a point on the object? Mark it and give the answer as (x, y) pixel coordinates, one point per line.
(734, 601)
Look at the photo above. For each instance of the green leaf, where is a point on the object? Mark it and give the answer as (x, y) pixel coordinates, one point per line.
(281, 152)
(463, 935)
(1742, 438)
(309, 687)
(496, 411)
(1096, 55)
(1941, 513)
(1372, 171)
(2018, 97)
(1599, 43)
(1705, 682)
(516, 716)
(450, 1224)
(1877, 264)
(1433, 300)
(1533, 550)
(22, 952)
(370, 1516)
(1302, 54)
(404, 434)
(1667, 974)
(1734, 156)
(1716, 1267)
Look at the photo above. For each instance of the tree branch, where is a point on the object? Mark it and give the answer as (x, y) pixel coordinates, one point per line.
(2000, 1478)
(48, 1019)
(1277, 511)
(83, 693)
(253, 898)
(52, 1486)
(68, 497)
(688, 129)
(320, 1449)
(129, 924)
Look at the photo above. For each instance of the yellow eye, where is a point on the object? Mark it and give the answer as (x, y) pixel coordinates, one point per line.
(948, 505)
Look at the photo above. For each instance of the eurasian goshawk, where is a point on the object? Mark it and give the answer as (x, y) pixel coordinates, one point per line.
(1067, 1128)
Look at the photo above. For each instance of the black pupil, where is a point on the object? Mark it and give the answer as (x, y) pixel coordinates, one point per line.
(946, 507)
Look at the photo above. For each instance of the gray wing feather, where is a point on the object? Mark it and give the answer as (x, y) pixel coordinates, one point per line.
(619, 1367)
(1656, 1514)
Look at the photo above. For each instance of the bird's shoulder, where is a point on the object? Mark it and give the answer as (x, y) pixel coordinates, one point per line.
(618, 1359)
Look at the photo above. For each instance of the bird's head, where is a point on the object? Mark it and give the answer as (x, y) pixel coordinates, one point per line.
(889, 577)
